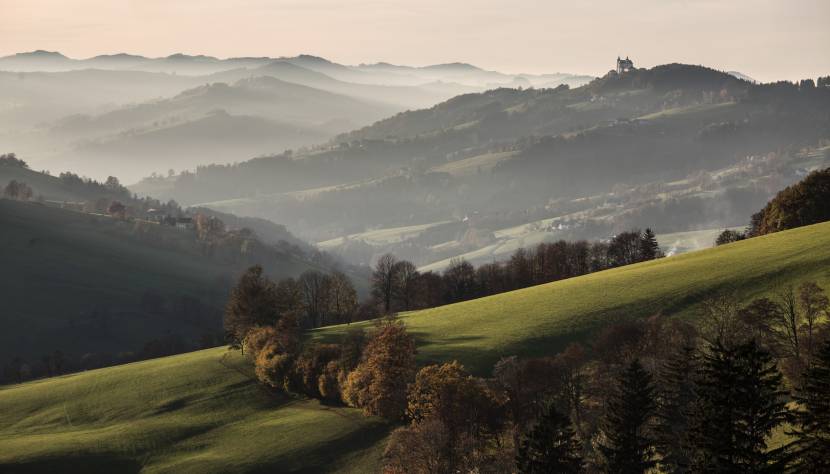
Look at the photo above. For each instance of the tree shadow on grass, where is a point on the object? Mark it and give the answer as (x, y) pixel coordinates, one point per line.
(81, 464)
(333, 455)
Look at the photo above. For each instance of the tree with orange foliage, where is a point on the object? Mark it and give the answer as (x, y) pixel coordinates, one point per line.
(378, 384)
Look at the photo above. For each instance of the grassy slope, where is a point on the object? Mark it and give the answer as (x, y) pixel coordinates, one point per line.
(542, 319)
(197, 412)
(192, 413)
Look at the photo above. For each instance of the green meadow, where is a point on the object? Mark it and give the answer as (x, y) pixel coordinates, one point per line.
(203, 412)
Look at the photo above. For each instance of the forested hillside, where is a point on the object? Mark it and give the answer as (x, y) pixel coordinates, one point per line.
(677, 147)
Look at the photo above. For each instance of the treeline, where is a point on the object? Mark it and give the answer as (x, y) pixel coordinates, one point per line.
(313, 299)
(10, 159)
(641, 395)
(804, 203)
(398, 286)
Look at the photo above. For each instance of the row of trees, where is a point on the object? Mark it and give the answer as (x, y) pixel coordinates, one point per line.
(312, 300)
(642, 395)
(398, 286)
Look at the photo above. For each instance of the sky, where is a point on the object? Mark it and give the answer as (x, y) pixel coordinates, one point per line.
(766, 39)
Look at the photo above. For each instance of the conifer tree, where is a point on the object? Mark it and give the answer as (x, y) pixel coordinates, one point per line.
(550, 447)
(649, 248)
(628, 446)
(811, 447)
(740, 403)
(676, 399)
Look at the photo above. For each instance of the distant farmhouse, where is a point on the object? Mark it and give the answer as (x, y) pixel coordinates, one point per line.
(624, 65)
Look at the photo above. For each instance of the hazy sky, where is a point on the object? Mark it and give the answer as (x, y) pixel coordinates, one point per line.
(767, 39)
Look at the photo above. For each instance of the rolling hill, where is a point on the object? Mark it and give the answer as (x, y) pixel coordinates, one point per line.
(90, 284)
(194, 413)
(595, 158)
(202, 412)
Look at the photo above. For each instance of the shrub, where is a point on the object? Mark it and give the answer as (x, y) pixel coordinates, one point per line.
(273, 367)
(258, 338)
(310, 366)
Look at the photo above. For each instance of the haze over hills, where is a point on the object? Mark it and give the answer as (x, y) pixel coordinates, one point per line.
(119, 289)
(86, 115)
(675, 147)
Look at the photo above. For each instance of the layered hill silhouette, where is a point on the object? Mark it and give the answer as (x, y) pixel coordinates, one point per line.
(65, 113)
(508, 157)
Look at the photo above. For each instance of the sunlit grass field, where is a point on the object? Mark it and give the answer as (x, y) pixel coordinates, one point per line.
(199, 412)
(543, 319)
(202, 412)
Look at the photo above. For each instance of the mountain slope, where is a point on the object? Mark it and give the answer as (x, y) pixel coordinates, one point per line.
(201, 412)
(83, 283)
(511, 157)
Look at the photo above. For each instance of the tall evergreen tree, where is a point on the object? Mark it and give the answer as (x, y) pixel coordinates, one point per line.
(811, 447)
(740, 402)
(628, 447)
(550, 447)
(675, 402)
(649, 248)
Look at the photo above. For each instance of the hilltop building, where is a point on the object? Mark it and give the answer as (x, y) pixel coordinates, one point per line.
(624, 65)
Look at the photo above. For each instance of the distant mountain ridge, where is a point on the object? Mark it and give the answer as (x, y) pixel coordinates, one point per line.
(55, 110)
(52, 61)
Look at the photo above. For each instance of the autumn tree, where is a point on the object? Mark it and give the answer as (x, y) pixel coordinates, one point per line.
(448, 393)
(252, 303)
(275, 350)
(378, 384)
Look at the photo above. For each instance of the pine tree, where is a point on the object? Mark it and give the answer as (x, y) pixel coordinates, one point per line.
(811, 447)
(550, 447)
(740, 402)
(649, 248)
(676, 398)
(628, 447)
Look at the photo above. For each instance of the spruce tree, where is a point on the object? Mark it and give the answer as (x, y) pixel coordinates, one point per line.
(740, 403)
(649, 248)
(550, 447)
(628, 446)
(811, 447)
(675, 402)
